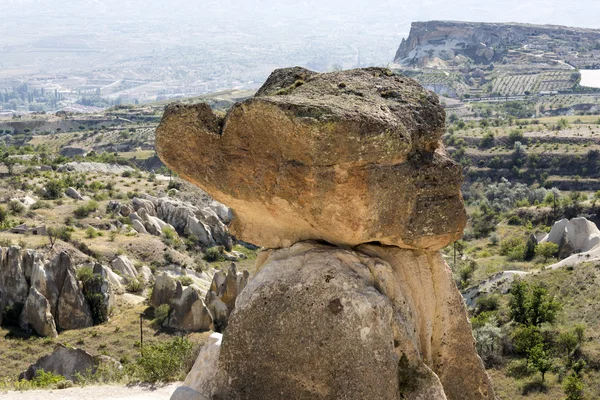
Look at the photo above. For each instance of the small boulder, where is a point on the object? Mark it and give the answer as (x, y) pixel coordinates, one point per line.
(165, 290)
(138, 226)
(37, 315)
(123, 265)
(73, 193)
(189, 312)
(65, 361)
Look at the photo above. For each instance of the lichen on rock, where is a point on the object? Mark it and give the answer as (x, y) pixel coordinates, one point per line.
(347, 157)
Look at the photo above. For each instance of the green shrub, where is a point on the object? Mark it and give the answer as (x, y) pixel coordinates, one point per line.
(135, 285)
(3, 215)
(44, 379)
(214, 254)
(39, 204)
(86, 210)
(91, 233)
(515, 220)
(185, 280)
(161, 313)
(164, 362)
(92, 291)
(573, 387)
(54, 189)
(514, 248)
(546, 250)
(16, 207)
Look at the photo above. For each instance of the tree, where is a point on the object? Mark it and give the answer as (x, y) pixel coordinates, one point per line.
(531, 305)
(546, 250)
(573, 387)
(518, 310)
(567, 343)
(538, 358)
(3, 215)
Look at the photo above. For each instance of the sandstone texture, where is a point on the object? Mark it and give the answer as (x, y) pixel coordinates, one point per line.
(347, 157)
(313, 312)
(342, 178)
(51, 297)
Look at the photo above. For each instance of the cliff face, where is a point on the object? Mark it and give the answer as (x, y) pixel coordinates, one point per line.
(483, 42)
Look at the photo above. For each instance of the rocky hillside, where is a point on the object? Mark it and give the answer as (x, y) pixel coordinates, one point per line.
(454, 43)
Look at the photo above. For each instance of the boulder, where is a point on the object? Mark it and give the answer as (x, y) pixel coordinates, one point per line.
(388, 321)
(218, 311)
(73, 193)
(143, 204)
(165, 290)
(37, 315)
(73, 311)
(13, 284)
(63, 361)
(189, 313)
(223, 212)
(138, 226)
(146, 273)
(347, 157)
(113, 279)
(204, 376)
(123, 265)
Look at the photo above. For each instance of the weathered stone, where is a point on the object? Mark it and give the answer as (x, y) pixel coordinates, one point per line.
(383, 323)
(37, 314)
(73, 311)
(138, 226)
(189, 312)
(13, 284)
(143, 204)
(146, 273)
(123, 265)
(204, 380)
(73, 193)
(63, 361)
(218, 311)
(165, 290)
(347, 157)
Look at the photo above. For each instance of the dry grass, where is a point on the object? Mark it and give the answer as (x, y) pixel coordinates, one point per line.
(118, 338)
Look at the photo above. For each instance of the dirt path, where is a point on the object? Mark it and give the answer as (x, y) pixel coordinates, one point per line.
(96, 393)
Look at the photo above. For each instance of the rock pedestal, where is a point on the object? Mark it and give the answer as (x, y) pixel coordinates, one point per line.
(351, 158)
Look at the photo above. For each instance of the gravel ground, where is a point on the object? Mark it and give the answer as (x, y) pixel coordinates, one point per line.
(96, 393)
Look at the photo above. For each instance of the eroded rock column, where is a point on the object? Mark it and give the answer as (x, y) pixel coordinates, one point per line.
(342, 178)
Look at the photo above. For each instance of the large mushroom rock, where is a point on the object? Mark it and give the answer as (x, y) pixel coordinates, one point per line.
(320, 322)
(347, 157)
(37, 315)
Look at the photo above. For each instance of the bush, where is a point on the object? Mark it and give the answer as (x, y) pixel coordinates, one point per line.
(54, 189)
(86, 210)
(92, 233)
(515, 220)
(135, 285)
(546, 250)
(161, 313)
(514, 248)
(531, 305)
(487, 302)
(186, 280)
(3, 215)
(92, 292)
(573, 387)
(164, 362)
(16, 207)
(214, 254)
(44, 379)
